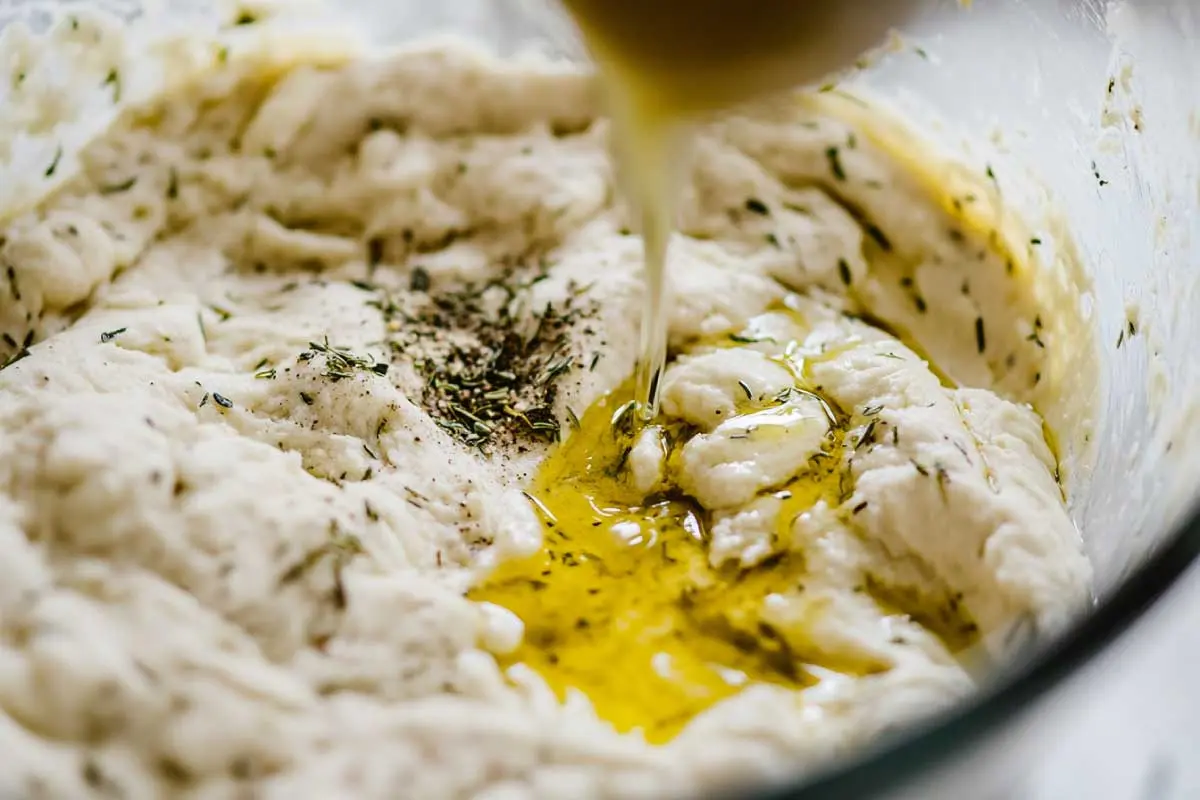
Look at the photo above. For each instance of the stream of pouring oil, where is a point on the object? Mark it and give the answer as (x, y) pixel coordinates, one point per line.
(666, 62)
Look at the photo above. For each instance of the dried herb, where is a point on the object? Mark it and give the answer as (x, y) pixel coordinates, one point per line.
(17, 356)
(491, 370)
(374, 251)
(878, 236)
(113, 79)
(742, 339)
(340, 363)
(108, 336)
(419, 281)
(756, 206)
(221, 400)
(54, 162)
(844, 271)
(868, 435)
(835, 163)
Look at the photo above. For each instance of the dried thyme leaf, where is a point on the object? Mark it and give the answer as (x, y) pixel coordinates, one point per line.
(341, 363)
(834, 156)
(54, 162)
(844, 271)
(756, 206)
(121, 186)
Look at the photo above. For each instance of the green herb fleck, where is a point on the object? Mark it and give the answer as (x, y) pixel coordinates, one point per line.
(108, 336)
(835, 163)
(113, 79)
(844, 271)
(341, 363)
(374, 251)
(221, 400)
(122, 186)
(419, 281)
(878, 236)
(756, 206)
(868, 435)
(54, 162)
(24, 352)
(743, 339)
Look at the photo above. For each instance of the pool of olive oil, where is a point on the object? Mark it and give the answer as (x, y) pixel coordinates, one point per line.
(622, 602)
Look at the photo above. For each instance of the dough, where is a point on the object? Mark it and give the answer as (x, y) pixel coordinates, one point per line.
(240, 503)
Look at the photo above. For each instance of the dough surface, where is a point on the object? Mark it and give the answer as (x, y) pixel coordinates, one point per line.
(239, 510)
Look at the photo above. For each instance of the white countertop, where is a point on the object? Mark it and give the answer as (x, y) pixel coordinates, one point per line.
(1129, 727)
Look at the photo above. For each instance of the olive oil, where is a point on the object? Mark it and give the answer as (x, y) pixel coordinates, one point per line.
(666, 61)
(622, 603)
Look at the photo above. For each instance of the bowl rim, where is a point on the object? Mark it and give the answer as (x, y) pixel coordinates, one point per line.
(899, 761)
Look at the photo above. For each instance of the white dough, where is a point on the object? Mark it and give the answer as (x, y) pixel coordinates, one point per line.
(229, 570)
